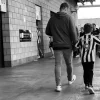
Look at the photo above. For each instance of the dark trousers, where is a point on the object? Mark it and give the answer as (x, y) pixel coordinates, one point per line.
(88, 73)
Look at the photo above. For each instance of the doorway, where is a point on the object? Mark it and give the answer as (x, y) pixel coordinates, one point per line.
(39, 32)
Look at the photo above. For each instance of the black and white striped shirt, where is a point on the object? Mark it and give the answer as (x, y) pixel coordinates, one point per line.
(87, 44)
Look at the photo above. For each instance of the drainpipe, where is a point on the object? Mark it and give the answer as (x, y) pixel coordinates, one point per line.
(1, 42)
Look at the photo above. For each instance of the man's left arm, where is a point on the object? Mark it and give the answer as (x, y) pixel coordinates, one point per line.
(72, 29)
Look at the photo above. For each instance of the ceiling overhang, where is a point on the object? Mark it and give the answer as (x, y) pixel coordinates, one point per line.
(83, 1)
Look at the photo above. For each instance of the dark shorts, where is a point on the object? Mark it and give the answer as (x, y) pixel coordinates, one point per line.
(51, 44)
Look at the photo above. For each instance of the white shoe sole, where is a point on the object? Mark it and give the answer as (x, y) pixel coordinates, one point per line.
(58, 89)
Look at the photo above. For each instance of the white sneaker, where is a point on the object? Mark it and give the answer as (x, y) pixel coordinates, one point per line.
(91, 91)
(73, 79)
(58, 88)
(86, 87)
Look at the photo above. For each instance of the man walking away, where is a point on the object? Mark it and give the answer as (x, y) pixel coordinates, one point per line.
(63, 30)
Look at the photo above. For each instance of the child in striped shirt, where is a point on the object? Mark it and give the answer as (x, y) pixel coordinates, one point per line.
(87, 44)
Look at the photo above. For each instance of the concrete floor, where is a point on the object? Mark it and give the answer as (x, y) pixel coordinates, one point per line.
(35, 81)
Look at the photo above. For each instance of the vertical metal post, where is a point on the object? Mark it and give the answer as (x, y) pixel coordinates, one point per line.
(1, 43)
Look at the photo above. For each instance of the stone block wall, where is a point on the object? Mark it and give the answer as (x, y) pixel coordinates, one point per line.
(21, 14)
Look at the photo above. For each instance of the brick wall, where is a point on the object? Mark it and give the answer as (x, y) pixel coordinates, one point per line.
(22, 15)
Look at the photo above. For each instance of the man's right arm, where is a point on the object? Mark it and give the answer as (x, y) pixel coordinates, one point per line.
(48, 30)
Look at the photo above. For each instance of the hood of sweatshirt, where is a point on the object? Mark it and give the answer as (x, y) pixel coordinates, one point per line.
(61, 15)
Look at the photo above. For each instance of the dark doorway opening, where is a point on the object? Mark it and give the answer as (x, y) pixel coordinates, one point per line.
(39, 31)
(39, 39)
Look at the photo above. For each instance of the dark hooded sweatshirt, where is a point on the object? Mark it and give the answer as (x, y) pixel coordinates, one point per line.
(62, 28)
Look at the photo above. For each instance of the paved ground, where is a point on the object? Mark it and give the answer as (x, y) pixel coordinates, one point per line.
(35, 81)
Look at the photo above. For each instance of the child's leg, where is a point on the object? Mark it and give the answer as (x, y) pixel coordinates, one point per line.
(85, 74)
(91, 66)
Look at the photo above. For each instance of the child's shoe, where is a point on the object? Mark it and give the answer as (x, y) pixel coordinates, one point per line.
(91, 90)
(86, 86)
